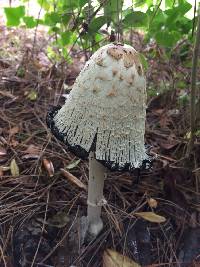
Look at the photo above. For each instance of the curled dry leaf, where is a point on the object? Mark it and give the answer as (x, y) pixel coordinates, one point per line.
(150, 216)
(73, 179)
(14, 169)
(48, 165)
(111, 258)
(152, 203)
(3, 152)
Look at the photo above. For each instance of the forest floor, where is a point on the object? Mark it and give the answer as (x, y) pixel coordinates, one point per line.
(41, 202)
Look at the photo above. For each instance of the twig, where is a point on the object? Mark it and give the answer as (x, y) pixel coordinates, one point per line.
(193, 88)
(43, 227)
(155, 12)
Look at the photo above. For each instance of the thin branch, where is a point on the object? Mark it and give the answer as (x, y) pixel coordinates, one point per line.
(193, 88)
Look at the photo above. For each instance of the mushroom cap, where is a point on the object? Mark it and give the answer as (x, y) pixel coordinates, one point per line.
(106, 108)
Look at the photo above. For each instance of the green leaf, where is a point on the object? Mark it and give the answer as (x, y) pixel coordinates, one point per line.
(136, 19)
(166, 38)
(97, 23)
(66, 37)
(141, 3)
(14, 15)
(55, 29)
(65, 19)
(45, 4)
(177, 12)
(112, 9)
(69, 5)
(30, 22)
(52, 18)
(143, 61)
(169, 3)
(82, 2)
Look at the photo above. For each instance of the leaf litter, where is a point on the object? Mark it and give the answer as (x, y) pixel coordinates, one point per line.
(43, 188)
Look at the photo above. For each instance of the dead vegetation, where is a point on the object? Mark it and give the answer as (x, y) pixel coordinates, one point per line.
(43, 187)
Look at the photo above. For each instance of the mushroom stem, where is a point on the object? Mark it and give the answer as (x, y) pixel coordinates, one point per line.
(95, 195)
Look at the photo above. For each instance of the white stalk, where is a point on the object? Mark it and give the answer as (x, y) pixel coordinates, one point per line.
(95, 195)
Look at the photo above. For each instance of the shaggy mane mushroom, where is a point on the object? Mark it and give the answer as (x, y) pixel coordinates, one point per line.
(104, 118)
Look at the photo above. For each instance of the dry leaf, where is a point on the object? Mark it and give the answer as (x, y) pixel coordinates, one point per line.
(73, 164)
(2, 151)
(150, 216)
(59, 220)
(152, 203)
(7, 94)
(73, 179)
(32, 149)
(111, 258)
(14, 130)
(14, 169)
(48, 165)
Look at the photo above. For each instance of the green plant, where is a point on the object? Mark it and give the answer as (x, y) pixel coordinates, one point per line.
(80, 21)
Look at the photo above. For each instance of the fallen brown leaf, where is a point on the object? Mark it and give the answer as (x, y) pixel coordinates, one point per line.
(73, 179)
(32, 149)
(112, 258)
(150, 216)
(48, 165)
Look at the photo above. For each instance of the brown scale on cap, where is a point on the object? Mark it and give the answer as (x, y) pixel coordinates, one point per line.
(136, 59)
(100, 62)
(115, 52)
(130, 80)
(114, 72)
(121, 77)
(95, 89)
(112, 92)
(128, 58)
(103, 78)
(140, 70)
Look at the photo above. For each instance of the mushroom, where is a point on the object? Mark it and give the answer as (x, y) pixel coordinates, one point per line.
(104, 118)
